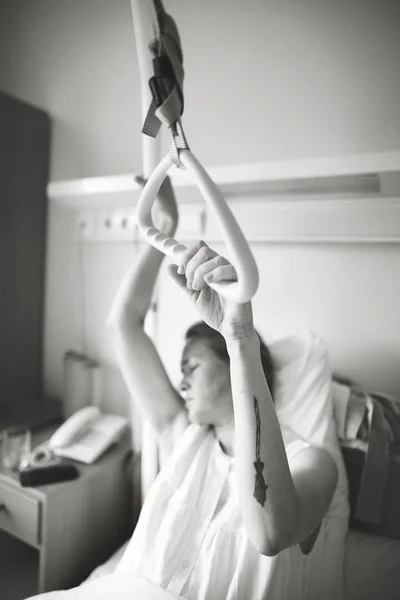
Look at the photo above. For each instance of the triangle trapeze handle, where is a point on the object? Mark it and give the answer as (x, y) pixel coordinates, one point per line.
(245, 287)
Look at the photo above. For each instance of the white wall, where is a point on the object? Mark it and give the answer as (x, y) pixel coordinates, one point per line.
(80, 285)
(265, 80)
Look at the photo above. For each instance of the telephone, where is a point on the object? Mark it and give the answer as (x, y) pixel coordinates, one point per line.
(87, 434)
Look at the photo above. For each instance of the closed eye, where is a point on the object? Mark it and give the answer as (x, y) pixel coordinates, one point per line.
(189, 369)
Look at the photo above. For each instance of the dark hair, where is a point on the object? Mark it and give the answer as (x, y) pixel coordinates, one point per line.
(217, 344)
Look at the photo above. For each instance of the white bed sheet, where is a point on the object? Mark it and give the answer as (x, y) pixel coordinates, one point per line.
(111, 586)
(372, 567)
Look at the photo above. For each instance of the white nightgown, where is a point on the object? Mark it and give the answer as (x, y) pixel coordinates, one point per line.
(191, 542)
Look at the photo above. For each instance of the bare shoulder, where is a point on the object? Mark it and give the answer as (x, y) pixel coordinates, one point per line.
(315, 476)
(313, 459)
(314, 467)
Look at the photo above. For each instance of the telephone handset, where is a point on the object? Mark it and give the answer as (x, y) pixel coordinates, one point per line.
(87, 434)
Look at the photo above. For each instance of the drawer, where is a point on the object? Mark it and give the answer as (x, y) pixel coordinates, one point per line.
(19, 514)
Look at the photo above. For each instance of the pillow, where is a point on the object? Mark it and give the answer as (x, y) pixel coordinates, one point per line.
(302, 388)
(303, 401)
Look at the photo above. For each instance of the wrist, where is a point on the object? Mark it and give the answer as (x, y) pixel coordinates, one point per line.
(242, 337)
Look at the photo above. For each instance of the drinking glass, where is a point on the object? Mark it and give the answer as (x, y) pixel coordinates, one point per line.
(16, 447)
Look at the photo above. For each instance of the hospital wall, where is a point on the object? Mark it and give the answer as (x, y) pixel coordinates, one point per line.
(265, 81)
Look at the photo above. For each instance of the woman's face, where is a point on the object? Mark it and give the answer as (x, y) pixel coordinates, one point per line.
(206, 385)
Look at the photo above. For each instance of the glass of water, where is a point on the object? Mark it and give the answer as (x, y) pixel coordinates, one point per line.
(16, 447)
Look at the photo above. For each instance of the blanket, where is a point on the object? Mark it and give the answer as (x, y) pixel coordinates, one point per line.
(114, 586)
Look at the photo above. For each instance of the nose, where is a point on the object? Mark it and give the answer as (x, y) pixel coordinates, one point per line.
(184, 385)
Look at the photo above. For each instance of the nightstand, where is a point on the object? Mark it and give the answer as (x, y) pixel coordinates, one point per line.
(75, 525)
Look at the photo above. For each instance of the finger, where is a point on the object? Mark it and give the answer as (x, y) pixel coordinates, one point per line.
(221, 273)
(140, 180)
(200, 274)
(203, 255)
(188, 254)
(179, 279)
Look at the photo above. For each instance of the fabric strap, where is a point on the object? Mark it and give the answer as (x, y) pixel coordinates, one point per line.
(167, 83)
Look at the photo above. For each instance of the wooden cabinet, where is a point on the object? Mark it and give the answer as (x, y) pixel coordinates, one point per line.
(24, 165)
(72, 526)
(19, 514)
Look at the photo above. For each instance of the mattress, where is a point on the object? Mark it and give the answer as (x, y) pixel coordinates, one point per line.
(372, 567)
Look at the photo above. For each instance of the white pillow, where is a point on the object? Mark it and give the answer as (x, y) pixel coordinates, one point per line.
(303, 398)
(303, 401)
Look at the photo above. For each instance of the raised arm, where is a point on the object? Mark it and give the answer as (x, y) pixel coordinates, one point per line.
(138, 359)
(282, 503)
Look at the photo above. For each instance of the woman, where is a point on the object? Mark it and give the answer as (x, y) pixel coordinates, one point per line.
(236, 510)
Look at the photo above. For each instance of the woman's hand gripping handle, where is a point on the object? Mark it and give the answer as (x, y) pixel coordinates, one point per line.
(239, 291)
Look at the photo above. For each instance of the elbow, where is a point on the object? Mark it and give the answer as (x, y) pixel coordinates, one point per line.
(276, 537)
(124, 320)
(267, 544)
(272, 547)
(268, 550)
(115, 323)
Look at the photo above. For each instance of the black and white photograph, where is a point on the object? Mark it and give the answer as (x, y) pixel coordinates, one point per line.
(200, 300)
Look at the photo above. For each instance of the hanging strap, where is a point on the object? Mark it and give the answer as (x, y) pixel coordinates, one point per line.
(166, 85)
